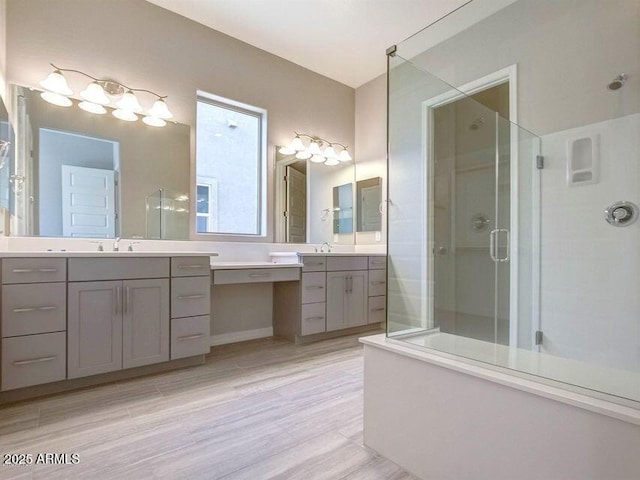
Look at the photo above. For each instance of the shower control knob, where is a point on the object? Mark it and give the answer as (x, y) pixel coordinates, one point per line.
(621, 214)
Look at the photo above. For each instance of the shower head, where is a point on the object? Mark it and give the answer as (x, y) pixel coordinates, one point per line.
(618, 82)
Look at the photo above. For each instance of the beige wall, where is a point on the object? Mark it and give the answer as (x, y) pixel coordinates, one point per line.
(141, 44)
(371, 143)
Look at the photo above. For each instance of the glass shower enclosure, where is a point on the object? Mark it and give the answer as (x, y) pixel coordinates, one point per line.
(507, 185)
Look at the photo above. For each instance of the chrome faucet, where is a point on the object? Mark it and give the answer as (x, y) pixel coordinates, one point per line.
(328, 247)
(100, 246)
(130, 248)
(116, 244)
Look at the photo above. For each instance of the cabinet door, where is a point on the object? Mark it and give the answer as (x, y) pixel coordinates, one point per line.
(357, 299)
(145, 322)
(94, 328)
(336, 300)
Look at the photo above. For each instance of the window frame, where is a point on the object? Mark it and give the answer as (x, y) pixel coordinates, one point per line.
(212, 198)
(261, 164)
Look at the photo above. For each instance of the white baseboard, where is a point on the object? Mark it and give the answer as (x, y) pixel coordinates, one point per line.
(241, 336)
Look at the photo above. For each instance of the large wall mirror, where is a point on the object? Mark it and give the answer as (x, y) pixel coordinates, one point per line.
(314, 202)
(88, 175)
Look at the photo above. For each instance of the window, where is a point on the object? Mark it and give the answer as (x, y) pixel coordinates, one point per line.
(230, 167)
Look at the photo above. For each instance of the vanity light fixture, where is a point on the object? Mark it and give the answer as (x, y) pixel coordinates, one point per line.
(56, 83)
(102, 92)
(56, 99)
(315, 151)
(94, 93)
(92, 107)
(126, 115)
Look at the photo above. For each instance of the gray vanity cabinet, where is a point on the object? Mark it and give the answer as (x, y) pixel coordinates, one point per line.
(94, 328)
(145, 322)
(121, 321)
(346, 299)
(117, 324)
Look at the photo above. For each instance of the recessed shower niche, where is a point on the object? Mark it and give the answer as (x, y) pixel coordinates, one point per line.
(582, 160)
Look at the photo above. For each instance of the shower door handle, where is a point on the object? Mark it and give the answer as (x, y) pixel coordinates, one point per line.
(493, 245)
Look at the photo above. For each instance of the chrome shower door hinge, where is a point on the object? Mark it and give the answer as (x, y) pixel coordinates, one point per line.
(538, 337)
(539, 162)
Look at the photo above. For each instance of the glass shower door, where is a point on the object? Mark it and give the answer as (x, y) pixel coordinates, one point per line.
(470, 178)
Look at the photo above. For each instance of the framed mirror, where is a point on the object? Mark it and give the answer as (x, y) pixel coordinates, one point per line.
(305, 201)
(368, 208)
(95, 176)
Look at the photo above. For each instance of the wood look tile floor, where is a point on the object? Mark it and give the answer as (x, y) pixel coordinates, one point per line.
(264, 409)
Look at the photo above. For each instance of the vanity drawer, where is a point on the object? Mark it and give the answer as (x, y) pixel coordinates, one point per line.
(190, 296)
(313, 319)
(256, 275)
(377, 283)
(33, 359)
(377, 309)
(314, 287)
(34, 270)
(96, 269)
(30, 309)
(190, 266)
(314, 264)
(377, 263)
(347, 263)
(190, 336)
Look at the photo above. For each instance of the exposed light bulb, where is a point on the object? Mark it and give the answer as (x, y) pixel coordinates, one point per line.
(56, 99)
(297, 144)
(94, 93)
(125, 115)
(56, 83)
(160, 110)
(331, 162)
(92, 108)
(303, 155)
(329, 152)
(314, 148)
(318, 159)
(129, 102)
(154, 121)
(344, 156)
(286, 150)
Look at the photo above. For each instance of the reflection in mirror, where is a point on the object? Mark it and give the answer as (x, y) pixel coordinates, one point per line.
(304, 203)
(343, 209)
(89, 175)
(296, 202)
(7, 164)
(167, 215)
(369, 200)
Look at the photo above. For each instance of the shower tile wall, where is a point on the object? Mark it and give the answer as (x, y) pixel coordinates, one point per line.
(590, 297)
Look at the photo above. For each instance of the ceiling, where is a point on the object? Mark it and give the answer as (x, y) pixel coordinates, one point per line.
(344, 40)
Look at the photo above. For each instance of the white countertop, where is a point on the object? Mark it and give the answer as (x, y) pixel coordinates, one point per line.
(340, 254)
(240, 265)
(64, 254)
